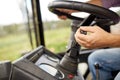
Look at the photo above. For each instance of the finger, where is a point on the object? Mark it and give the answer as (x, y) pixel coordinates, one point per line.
(87, 29)
(62, 17)
(81, 36)
(81, 42)
(84, 44)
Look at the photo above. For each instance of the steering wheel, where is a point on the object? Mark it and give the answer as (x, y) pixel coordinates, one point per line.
(95, 10)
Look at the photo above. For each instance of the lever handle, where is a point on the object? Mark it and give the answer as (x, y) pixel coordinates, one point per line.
(87, 22)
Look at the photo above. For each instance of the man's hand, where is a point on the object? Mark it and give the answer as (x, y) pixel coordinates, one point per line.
(96, 37)
(68, 11)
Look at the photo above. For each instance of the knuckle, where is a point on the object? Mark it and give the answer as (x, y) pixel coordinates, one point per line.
(88, 45)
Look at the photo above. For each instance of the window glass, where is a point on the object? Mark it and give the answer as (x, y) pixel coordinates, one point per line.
(15, 29)
(57, 31)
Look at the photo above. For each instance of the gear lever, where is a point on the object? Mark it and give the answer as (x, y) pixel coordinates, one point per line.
(69, 63)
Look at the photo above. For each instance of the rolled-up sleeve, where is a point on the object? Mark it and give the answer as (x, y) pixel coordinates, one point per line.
(110, 3)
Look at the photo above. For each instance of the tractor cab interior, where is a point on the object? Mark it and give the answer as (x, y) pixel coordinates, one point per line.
(43, 64)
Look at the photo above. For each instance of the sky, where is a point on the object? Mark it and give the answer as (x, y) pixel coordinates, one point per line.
(10, 11)
(46, 14)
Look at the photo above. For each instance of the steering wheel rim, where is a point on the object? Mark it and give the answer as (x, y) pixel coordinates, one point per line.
(83, 7)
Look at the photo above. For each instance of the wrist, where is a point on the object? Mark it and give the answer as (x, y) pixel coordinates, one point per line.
(114, 40)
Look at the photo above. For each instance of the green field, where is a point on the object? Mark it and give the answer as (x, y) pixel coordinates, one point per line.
(12, 46)
(56, 40)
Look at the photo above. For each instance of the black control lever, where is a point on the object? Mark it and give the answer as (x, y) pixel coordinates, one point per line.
(86, 22)
(69, 63)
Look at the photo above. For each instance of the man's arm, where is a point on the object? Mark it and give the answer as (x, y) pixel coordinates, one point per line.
(96, 2)
(105, 3)
(114, 40)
